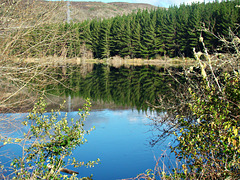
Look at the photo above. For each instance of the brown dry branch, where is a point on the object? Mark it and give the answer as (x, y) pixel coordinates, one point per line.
(22, 81)
(210, 70)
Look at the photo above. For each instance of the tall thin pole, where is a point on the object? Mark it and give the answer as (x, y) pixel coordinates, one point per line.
(68, 12)
(69, 103)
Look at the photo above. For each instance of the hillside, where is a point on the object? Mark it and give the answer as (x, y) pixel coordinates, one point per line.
(89, 10)
(25, 13)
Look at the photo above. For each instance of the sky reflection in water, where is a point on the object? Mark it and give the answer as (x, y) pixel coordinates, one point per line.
(121, 141)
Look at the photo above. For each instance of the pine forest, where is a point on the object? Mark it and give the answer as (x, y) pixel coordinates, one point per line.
(147, 34)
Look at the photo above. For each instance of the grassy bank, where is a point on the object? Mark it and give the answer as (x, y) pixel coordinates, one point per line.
(114, 61)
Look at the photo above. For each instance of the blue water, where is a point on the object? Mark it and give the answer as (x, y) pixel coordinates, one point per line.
(120, 140)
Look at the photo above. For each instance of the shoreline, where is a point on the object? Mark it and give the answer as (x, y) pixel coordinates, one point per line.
(113, 61)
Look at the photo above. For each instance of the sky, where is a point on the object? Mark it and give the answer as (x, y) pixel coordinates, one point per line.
(160, 3)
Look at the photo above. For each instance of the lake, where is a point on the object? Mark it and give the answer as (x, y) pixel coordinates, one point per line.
(120, 113)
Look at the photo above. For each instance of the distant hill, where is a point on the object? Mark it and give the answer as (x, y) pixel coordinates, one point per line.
(24, 13)
(89, 10)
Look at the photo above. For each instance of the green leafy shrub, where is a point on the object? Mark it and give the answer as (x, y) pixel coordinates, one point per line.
(211, 144)
(209, 137)
(49, 143)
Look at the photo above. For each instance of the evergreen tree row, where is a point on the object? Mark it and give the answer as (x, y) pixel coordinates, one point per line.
(146, 34)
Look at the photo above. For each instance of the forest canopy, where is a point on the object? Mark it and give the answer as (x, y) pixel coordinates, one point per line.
(172, 32)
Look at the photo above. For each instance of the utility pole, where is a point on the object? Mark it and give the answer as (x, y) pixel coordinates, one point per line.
(68, 12)
(69, 103)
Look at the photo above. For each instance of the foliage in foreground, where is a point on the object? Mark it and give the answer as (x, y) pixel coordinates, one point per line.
(48, 145)
(209, 143)
(208, 129)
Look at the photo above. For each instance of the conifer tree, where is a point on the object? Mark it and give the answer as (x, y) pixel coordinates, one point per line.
(136, 38)
(159, 46)
(148, 42)
(116, 35)
(169, 32)
(104, 36)
(94, 40)
(226, 18)
(182, 15)
(126, 43)
(193, 30)
(209, 22)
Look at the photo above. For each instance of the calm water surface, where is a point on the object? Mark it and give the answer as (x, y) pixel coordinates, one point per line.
(121, 136)
(120, 139)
